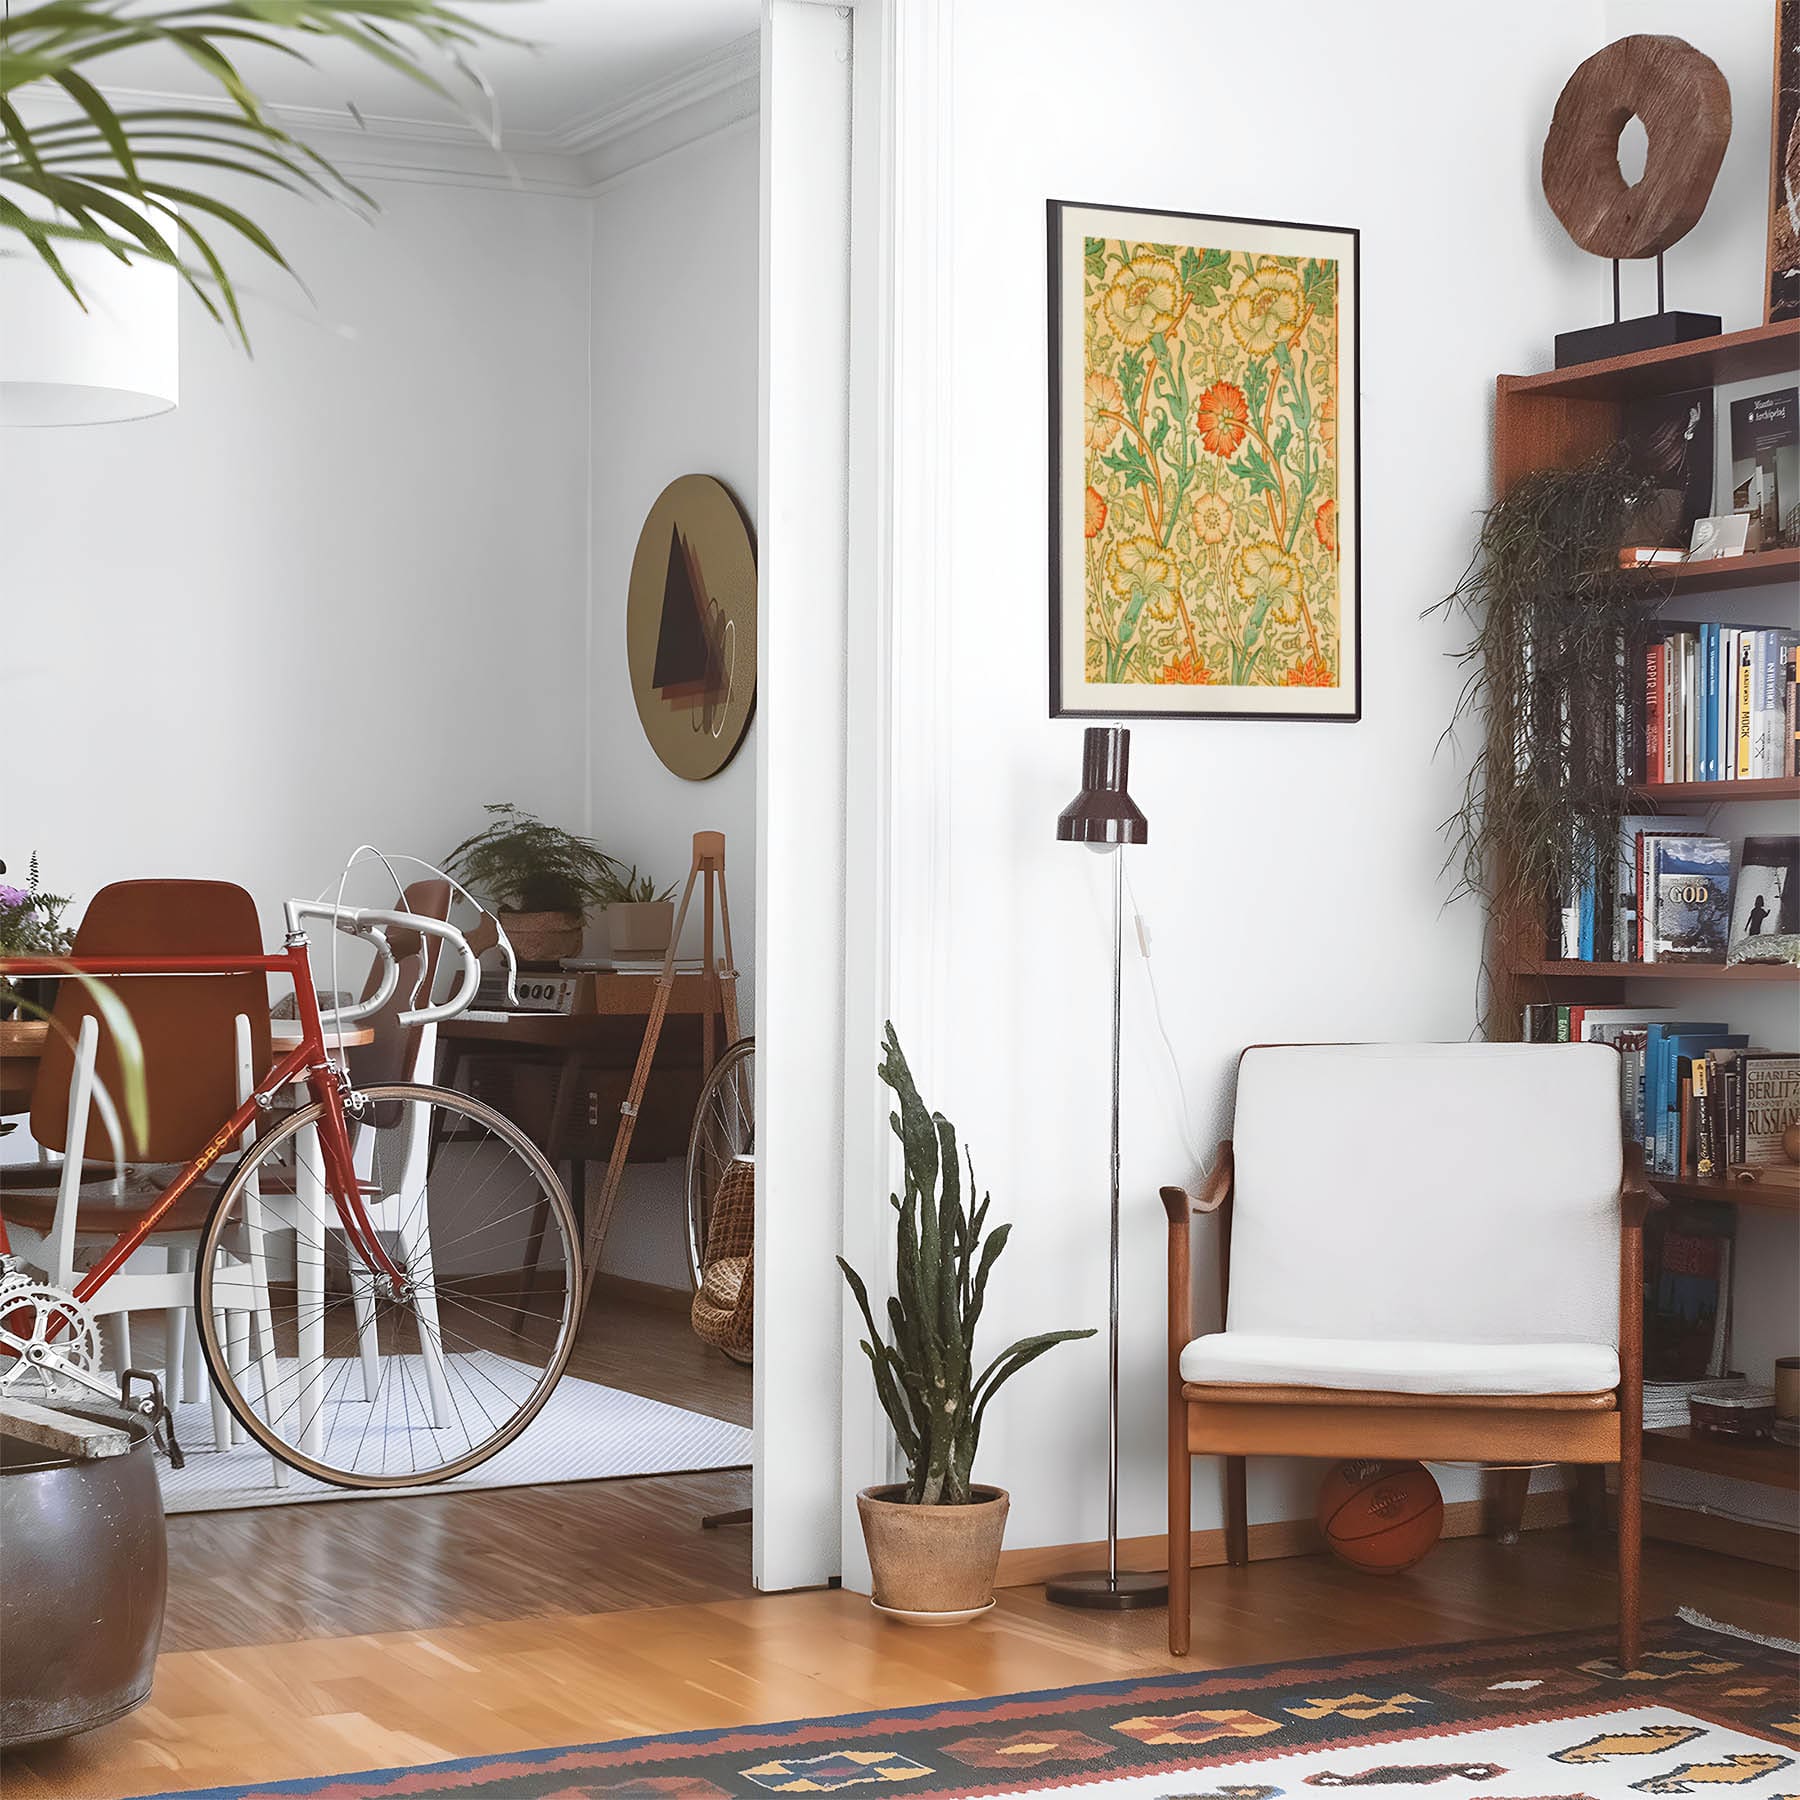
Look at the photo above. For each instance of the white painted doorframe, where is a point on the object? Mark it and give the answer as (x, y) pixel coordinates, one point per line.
(852, 844)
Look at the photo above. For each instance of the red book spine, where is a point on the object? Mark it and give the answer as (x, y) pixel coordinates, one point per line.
(1653, 714)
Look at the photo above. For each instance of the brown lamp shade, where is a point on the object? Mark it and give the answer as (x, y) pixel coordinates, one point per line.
(1103, 812)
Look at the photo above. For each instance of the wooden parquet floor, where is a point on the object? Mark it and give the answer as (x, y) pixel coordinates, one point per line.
(330, 1705)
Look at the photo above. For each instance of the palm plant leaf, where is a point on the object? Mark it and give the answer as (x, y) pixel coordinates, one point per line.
(121, 179)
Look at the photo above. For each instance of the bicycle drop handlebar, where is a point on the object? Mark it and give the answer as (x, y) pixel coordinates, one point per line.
(373, 924)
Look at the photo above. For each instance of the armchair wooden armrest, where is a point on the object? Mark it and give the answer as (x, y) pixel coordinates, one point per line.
(1179, 1204)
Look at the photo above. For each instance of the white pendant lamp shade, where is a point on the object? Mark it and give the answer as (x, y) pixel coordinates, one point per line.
(120, 359)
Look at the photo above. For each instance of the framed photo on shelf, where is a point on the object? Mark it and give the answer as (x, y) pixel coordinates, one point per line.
(1204, 519)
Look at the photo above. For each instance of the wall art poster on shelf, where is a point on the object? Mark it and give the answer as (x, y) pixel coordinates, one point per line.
(1203, 461)
(1784, 168)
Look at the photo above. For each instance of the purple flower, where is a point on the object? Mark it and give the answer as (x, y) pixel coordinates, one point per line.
(13, 897)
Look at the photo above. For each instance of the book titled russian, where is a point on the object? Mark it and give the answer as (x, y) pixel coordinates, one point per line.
(1765, 459)
(1770, 1099)
(1690, 887)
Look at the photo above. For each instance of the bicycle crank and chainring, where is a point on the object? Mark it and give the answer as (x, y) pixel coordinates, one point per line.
(47, 1339)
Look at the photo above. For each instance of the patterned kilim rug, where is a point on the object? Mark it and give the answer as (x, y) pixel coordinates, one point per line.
(1543, 1718)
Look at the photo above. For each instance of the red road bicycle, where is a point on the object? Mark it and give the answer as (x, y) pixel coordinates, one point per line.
(387, 1281)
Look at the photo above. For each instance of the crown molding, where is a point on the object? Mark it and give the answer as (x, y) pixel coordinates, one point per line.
(706, 96)
(722, 74)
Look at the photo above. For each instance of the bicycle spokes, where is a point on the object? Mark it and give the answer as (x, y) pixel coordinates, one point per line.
(413, 1333)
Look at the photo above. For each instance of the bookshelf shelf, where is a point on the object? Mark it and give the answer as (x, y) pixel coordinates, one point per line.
(1769, 1198)
(1758, 1460)
(1777, 787)
(1764, 350)
(1760, 568)
(1655, 971)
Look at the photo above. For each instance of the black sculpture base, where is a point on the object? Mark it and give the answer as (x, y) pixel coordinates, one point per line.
(1624, 337)
(1096, 1591)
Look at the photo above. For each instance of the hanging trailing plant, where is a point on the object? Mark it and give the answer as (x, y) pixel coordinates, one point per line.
(1548, 681)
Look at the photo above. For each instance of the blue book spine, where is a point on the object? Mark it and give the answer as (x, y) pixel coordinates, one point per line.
(1650, 1097)
(1587, 919)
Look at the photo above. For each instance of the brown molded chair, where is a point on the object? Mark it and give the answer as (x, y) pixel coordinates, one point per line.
(196, 1033)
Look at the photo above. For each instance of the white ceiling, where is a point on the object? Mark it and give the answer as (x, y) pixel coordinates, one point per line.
(588, 60)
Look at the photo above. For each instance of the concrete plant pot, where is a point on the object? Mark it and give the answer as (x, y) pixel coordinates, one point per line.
(640, 928)
(933, 1565)
(540, 940)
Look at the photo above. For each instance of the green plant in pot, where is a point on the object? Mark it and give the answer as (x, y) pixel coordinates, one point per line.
(542, 878)
(639, 918)
(934, 1540)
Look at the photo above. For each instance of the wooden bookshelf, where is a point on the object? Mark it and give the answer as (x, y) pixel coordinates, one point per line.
(1763, 350)
(1759, 568)
(1743, 1459)
(1712, 793)
(1765, 1197)
(1551, 970)
(1558, 420)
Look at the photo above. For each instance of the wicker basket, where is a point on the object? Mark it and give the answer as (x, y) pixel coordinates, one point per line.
(722, 1312)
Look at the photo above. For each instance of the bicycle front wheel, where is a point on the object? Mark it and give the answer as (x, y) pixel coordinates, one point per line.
(358, 1379)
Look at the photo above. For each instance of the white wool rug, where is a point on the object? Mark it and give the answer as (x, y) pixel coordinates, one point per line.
(586, 1432)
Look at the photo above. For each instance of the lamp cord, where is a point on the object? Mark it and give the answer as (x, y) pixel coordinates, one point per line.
(1184, 1118)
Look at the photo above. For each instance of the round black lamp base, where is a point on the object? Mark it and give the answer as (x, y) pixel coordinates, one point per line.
(1095, 1590)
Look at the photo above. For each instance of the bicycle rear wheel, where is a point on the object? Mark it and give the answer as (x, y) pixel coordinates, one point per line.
(348, 1376)
(724, 1127)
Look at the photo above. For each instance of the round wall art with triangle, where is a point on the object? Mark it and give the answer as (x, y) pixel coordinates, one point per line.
(690, 626)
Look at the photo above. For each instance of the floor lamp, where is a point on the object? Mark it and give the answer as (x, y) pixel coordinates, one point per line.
(1104, 817)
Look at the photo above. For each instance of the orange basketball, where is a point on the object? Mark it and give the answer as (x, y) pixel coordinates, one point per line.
(1380, 1517)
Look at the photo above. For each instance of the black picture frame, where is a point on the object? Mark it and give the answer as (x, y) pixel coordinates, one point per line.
(1079, 698)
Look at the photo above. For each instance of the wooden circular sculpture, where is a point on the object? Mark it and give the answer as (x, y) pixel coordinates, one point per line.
(1380, 1517)
(1685, 105)
(690, 626)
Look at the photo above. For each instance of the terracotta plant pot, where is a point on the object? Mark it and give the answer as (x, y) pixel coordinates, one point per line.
(640, 928)
(934, 1565)
(542, 939)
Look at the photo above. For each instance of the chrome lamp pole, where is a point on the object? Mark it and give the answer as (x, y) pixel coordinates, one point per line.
(1105, 818)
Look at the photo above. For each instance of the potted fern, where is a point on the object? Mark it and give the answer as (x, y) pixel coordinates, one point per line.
(542, 878)
(934, 1539)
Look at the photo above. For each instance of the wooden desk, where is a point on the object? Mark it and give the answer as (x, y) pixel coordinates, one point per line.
(562, 1076)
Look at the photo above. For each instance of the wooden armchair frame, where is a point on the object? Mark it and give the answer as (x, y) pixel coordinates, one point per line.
(1238, 1420)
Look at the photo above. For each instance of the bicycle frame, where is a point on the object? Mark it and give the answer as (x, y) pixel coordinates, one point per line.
(308, 1061)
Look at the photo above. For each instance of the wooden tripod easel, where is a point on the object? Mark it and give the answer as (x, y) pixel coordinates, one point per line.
(720, 977)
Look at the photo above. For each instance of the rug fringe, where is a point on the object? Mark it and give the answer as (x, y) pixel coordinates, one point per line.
(1690, 1616)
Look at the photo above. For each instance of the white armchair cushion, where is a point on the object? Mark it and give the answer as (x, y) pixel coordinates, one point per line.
(1386, 1366)
(1428, 1194)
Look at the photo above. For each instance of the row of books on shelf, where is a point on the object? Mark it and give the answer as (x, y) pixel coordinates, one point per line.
(1718, 704)
(1678, 894)
(1698, 1096)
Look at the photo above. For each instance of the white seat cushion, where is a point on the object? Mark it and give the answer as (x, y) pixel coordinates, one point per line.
(1397, 1366)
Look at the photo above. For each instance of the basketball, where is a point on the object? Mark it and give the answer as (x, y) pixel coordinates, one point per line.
(1380, 1517)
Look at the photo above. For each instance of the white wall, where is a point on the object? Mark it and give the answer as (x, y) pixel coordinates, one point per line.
(1292, 878)
(376, 528)
(674, 337)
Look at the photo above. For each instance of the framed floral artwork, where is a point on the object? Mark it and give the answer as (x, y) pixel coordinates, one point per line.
(1203, 467)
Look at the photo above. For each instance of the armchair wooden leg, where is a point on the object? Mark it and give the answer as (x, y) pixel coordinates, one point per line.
(1181, 1553)
(1237, 1513)
(1590, 1499)
(1630, 1549)
(1506, 1501)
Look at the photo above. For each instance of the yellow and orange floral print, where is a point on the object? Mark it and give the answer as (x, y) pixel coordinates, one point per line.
(1210, 405)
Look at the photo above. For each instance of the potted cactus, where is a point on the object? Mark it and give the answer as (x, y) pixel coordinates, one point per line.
(934, 1539)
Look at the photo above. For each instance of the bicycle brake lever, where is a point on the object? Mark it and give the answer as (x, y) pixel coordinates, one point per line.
(156, 1409)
